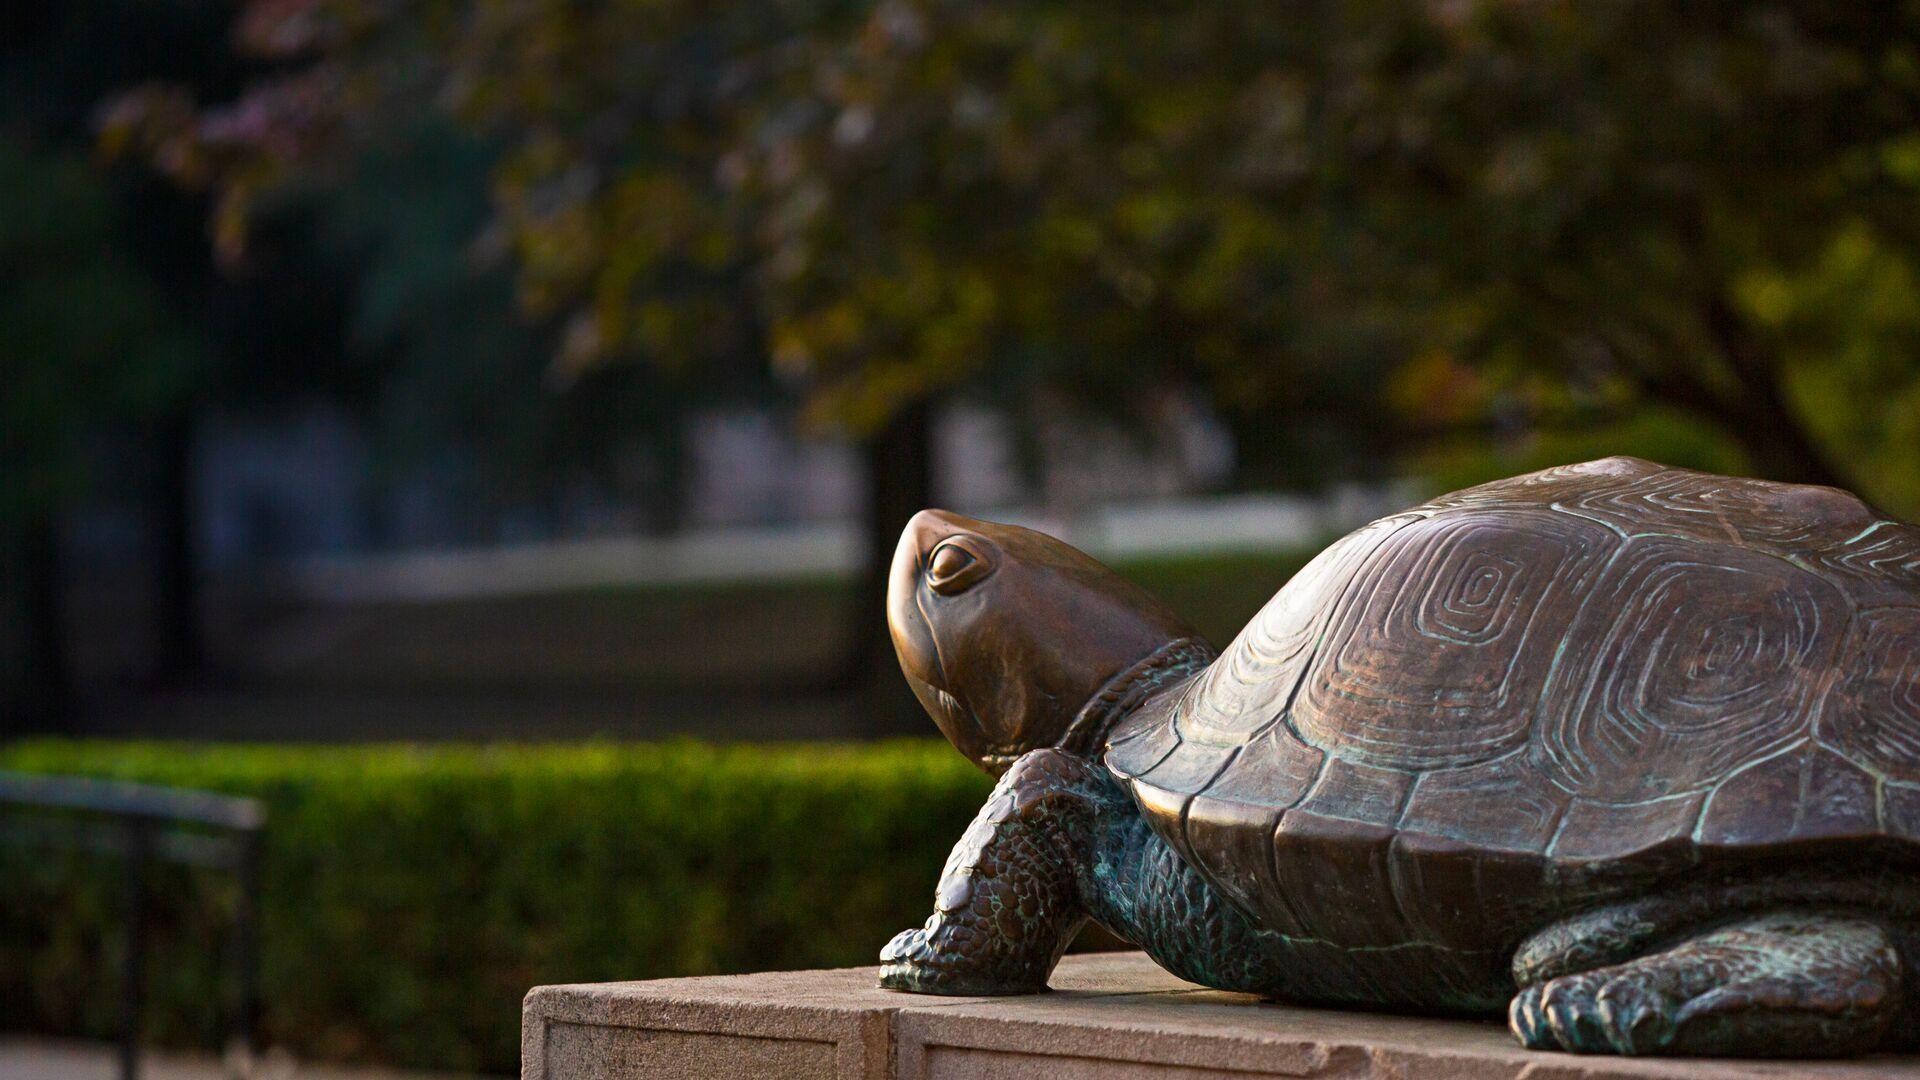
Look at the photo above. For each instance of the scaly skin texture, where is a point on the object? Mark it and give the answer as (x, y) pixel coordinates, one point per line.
(1008, 902)
(1726, 968)
(1058, 842)
(1783, 984)
(1616, 932)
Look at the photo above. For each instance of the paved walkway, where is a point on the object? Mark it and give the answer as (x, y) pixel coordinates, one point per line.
(1172, 527)
(24, 1058)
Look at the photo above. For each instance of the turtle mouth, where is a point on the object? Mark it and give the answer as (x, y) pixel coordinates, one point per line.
(940, 702)
(994, 759)
(948, 706)
(955, 715)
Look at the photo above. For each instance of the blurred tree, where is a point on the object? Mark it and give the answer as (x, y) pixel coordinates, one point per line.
(459, 368)
(1586, 211)
(369, 292)
(56, 62)
(1514, 223)
(88, 342)
(1546, 218)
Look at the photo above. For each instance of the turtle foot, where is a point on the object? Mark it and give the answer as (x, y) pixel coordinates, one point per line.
(1789, 984)
(1008, 902)
(915, 963)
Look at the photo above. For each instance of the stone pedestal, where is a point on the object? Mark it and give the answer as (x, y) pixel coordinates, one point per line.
(1111, 1015)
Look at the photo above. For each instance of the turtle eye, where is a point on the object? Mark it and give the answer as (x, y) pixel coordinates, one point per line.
(954, 566)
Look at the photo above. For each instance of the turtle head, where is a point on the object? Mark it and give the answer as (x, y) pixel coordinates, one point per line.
(1005, 633)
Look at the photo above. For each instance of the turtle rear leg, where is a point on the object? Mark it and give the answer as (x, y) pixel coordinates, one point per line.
(1008, 902)
(1777, 984)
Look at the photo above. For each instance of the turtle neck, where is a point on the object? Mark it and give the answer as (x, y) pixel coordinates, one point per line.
(1124, 692)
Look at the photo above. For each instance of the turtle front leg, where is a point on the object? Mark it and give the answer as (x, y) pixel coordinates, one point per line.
(1787, 983)
(1007, 904)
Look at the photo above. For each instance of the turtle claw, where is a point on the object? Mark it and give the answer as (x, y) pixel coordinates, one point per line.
(904, 944)
(913, 962)
(924, 974)
(1597, 1012)
(900, 966)
(933, 959)
(1574, 1015)
(1635, 1018)
(1529, 1022)
(1785, 984)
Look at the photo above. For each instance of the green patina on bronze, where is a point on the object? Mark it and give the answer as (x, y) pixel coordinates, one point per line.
(1627, 752)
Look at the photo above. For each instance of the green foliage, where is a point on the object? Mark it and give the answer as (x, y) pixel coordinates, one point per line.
(413, 895)
(1661, 435)
(1217, 593)
(1511, 223)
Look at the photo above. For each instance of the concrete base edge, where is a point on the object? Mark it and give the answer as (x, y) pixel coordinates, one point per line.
(1110, 1015)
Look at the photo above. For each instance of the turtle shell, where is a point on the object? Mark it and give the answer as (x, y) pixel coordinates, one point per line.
(1496, 703)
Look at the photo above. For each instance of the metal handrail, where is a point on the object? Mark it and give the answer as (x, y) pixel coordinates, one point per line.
(147, 828)
(118, 797)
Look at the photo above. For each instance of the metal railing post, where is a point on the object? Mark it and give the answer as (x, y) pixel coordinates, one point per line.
(246, 932)
(145, 825)
(133, 969)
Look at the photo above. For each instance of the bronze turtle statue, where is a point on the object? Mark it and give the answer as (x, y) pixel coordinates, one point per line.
(1629, 752)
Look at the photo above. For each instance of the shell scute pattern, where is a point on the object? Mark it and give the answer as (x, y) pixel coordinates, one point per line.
(1900, 809)
(1885, 551)
(1354, 791)
(1685, 663)
(1252, 684)
(1165, 790)
(1876, 567)
(1141, 742)
(1504, 804)
(1541, 488)
(1439, 658)
(1806, 793)
(1173, 750)
(1595, 831)
(1599, 669)
(1330, 853)
(1461, 892)
(1873, 716)
(1230, 826)
(1332, 873)
(1782, 518)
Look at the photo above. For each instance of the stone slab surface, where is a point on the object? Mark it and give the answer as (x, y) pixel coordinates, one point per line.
(1110, 1015)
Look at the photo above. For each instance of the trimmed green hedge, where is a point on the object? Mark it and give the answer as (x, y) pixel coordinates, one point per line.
(414, 894)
